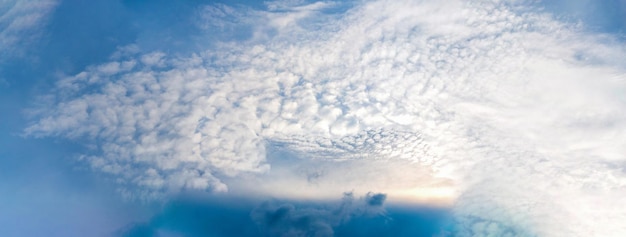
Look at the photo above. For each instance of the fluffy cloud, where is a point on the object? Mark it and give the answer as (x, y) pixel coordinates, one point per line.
(520, 112)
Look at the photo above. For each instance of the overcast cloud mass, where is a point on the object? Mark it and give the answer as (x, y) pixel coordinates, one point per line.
(315, 118)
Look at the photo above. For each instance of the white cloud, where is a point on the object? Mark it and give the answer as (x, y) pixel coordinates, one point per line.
(519, 113)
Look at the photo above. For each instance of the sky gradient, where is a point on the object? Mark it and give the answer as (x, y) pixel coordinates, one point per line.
(305, 118)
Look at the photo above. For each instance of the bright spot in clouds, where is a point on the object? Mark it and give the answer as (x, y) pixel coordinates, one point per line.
(509, 117)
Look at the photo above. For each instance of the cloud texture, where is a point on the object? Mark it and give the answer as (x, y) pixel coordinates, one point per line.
(522, 113)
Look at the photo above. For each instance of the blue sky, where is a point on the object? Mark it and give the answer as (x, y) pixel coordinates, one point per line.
(233, 118)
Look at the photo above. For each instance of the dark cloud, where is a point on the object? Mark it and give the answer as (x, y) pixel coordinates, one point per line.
(375, 199)
(365, 216)
(280, 219)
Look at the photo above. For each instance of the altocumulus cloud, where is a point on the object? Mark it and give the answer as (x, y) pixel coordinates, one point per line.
(519, 116)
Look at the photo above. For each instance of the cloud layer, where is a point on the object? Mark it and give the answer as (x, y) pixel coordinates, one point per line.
(520, 112)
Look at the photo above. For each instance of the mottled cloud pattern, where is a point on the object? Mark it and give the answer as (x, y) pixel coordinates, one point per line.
(524, 114)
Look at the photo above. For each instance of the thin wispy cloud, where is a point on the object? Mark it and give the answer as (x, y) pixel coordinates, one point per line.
(21, 23)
